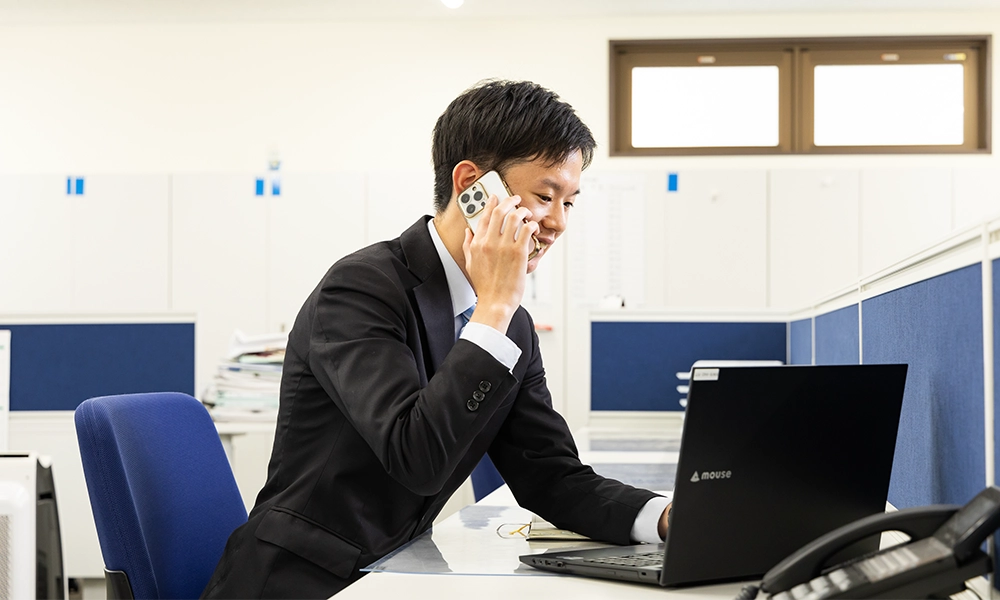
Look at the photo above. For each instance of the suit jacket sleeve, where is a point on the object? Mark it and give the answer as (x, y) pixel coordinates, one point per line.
(536, 454)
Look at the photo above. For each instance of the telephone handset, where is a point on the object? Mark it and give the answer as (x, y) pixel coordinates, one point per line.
(473, 199)
(943, 552)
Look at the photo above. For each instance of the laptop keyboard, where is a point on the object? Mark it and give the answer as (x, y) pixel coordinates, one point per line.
(647, 559)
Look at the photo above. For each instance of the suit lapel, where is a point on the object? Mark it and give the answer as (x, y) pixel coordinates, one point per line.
(432, 295)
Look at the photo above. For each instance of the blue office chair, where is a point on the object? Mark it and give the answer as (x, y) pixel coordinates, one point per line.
(485, 478)
(162, 491)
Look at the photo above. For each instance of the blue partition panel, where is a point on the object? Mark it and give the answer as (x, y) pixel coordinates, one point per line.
(996, 373)
(634, 366)
(800, 351)
(936, 326)
(58, 366)
(837, 337)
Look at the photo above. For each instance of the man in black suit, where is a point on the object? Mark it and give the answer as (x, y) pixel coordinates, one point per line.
(384, 414)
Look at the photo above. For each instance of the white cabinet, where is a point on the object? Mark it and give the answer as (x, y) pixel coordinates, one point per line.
(120, 246)
(394, 200)
(36, 268)
(814, 235)
(219, 266)
(105, 250)
(902, 212)
(53, 434)
(247, 262)
(315, 221)
(716, 240)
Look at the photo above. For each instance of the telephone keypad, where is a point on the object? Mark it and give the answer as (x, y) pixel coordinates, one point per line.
(823, 586)
(876, 568)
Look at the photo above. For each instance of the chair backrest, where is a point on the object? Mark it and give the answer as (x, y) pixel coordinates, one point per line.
(161, 488)
(485, 478)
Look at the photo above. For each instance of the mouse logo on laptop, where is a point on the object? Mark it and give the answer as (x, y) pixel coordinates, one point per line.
(711, 475)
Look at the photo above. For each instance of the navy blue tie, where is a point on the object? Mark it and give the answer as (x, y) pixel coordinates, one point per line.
(465, 316)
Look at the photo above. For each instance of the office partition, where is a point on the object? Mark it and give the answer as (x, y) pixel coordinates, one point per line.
(837, 337)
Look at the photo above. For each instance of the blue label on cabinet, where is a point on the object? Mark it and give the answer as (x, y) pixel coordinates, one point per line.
(671, 182)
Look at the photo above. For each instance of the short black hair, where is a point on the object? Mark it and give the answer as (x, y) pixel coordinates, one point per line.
(498, 123)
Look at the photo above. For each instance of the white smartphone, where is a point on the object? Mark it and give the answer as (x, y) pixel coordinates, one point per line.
(473, 199)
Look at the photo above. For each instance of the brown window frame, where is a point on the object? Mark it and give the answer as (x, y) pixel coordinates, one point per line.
(795, 59)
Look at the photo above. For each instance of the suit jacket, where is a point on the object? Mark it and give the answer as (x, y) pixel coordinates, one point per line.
(383, 415)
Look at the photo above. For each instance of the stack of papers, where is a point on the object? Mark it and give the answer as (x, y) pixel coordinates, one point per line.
(247, 384)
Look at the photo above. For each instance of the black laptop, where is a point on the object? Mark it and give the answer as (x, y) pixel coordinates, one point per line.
(771, 458)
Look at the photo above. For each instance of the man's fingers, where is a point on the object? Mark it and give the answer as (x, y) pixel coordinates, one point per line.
(530, 229)
(514, 220)
(484, 223)
(502, 210)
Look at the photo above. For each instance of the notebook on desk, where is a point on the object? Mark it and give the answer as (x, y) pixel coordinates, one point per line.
(770, 459)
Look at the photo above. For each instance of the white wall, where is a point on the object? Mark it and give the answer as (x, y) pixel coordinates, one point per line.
(355, 96)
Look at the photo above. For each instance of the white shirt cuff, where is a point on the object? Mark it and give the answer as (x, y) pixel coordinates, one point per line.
(494, 342)
(644, 530)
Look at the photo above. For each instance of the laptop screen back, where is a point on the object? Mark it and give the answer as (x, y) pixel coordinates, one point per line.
(772, 458)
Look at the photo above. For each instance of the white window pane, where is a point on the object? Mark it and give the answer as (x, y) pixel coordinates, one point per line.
(889, 105)
(678, 107)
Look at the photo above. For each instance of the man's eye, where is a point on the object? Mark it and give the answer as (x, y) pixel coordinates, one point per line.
(545, 199)
(568, 204)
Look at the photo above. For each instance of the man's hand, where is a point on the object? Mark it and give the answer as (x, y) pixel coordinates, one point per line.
(661, 527)
(496, 260)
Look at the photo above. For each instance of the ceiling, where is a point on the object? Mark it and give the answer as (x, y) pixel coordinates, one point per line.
(78, 11)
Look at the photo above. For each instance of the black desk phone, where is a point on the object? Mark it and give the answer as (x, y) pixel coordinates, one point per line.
(943, 552)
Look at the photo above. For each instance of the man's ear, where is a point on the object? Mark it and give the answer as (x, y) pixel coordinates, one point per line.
(463, 175)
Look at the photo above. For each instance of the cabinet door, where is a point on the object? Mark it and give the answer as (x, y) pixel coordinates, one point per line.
(903, 211)
(105, 250)
(36, 273)
(716, 242)
(219, 266)
(119, 244)
(814, 235)
(317, 219)
(395, 201)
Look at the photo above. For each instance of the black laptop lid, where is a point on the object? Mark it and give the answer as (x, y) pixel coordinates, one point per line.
(773, 457)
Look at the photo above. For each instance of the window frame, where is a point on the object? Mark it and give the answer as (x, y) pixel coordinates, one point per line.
(795, 59)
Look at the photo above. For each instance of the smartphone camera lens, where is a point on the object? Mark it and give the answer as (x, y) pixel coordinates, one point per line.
(465, 198)
(478, 196)
(471, 208)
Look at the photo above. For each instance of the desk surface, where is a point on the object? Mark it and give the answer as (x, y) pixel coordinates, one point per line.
(474, 553)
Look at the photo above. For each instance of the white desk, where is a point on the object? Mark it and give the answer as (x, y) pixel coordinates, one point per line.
(464, 556)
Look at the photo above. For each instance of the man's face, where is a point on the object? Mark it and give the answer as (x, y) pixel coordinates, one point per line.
(549, 192)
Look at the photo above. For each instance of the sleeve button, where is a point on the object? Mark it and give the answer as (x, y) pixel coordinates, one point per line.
(484, 386)
(478, 396)
(472, 405)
